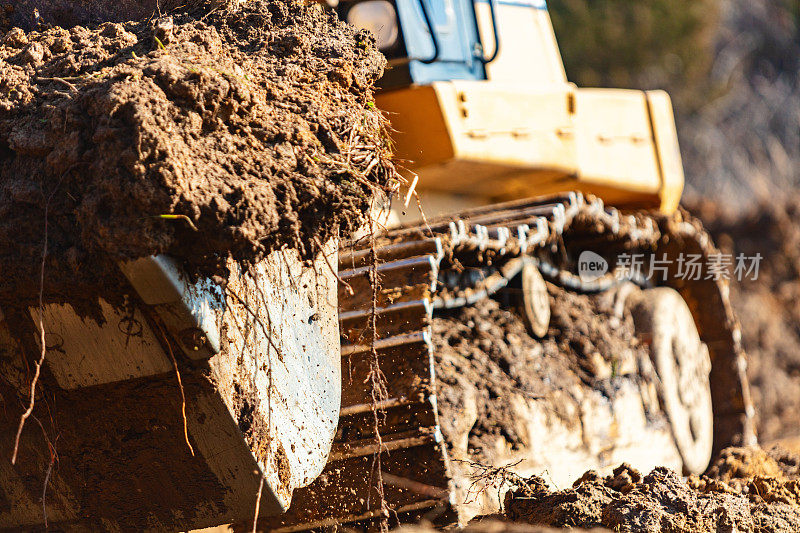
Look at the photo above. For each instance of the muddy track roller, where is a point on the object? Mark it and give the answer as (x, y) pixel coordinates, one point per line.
(456, 261)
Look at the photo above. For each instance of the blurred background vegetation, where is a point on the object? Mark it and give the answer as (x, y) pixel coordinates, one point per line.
(638, 44)
(731, 66)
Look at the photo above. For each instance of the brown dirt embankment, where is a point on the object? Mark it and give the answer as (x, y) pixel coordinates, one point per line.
(767, 307)
(256, 127)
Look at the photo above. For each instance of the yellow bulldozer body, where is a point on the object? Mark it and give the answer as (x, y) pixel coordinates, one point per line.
(527, 131)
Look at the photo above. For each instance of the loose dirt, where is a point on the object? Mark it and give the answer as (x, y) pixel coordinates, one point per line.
(499, 526)
(251, 130)
(737, 464)
(745, 490)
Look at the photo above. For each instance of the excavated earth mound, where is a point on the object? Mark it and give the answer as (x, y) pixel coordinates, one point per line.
(744, 490)
(229, 135)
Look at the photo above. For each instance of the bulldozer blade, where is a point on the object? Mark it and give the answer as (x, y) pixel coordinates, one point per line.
(188, 310)
(259, 369)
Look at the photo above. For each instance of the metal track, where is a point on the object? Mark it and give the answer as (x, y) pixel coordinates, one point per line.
(456, 261)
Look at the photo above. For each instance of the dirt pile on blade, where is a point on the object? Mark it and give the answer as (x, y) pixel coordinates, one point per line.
(660, 502)
(767, 307)
(229, 135)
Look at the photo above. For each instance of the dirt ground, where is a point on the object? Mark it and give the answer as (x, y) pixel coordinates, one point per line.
(494, 525)
(744, 490)
(231, 135)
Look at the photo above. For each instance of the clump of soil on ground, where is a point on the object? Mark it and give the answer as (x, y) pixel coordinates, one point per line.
(767, 307)
(488, 344)
(744, 490)
(745, 463)
(251, 130)
(662, 501)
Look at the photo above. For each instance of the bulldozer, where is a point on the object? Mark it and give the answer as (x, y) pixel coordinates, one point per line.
(523, 179)
(312, 404)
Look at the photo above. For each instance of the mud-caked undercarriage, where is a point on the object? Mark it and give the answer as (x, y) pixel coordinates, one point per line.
(390, 457)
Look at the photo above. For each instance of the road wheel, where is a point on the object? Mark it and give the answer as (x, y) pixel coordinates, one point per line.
(681, 360)
(534, 303)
